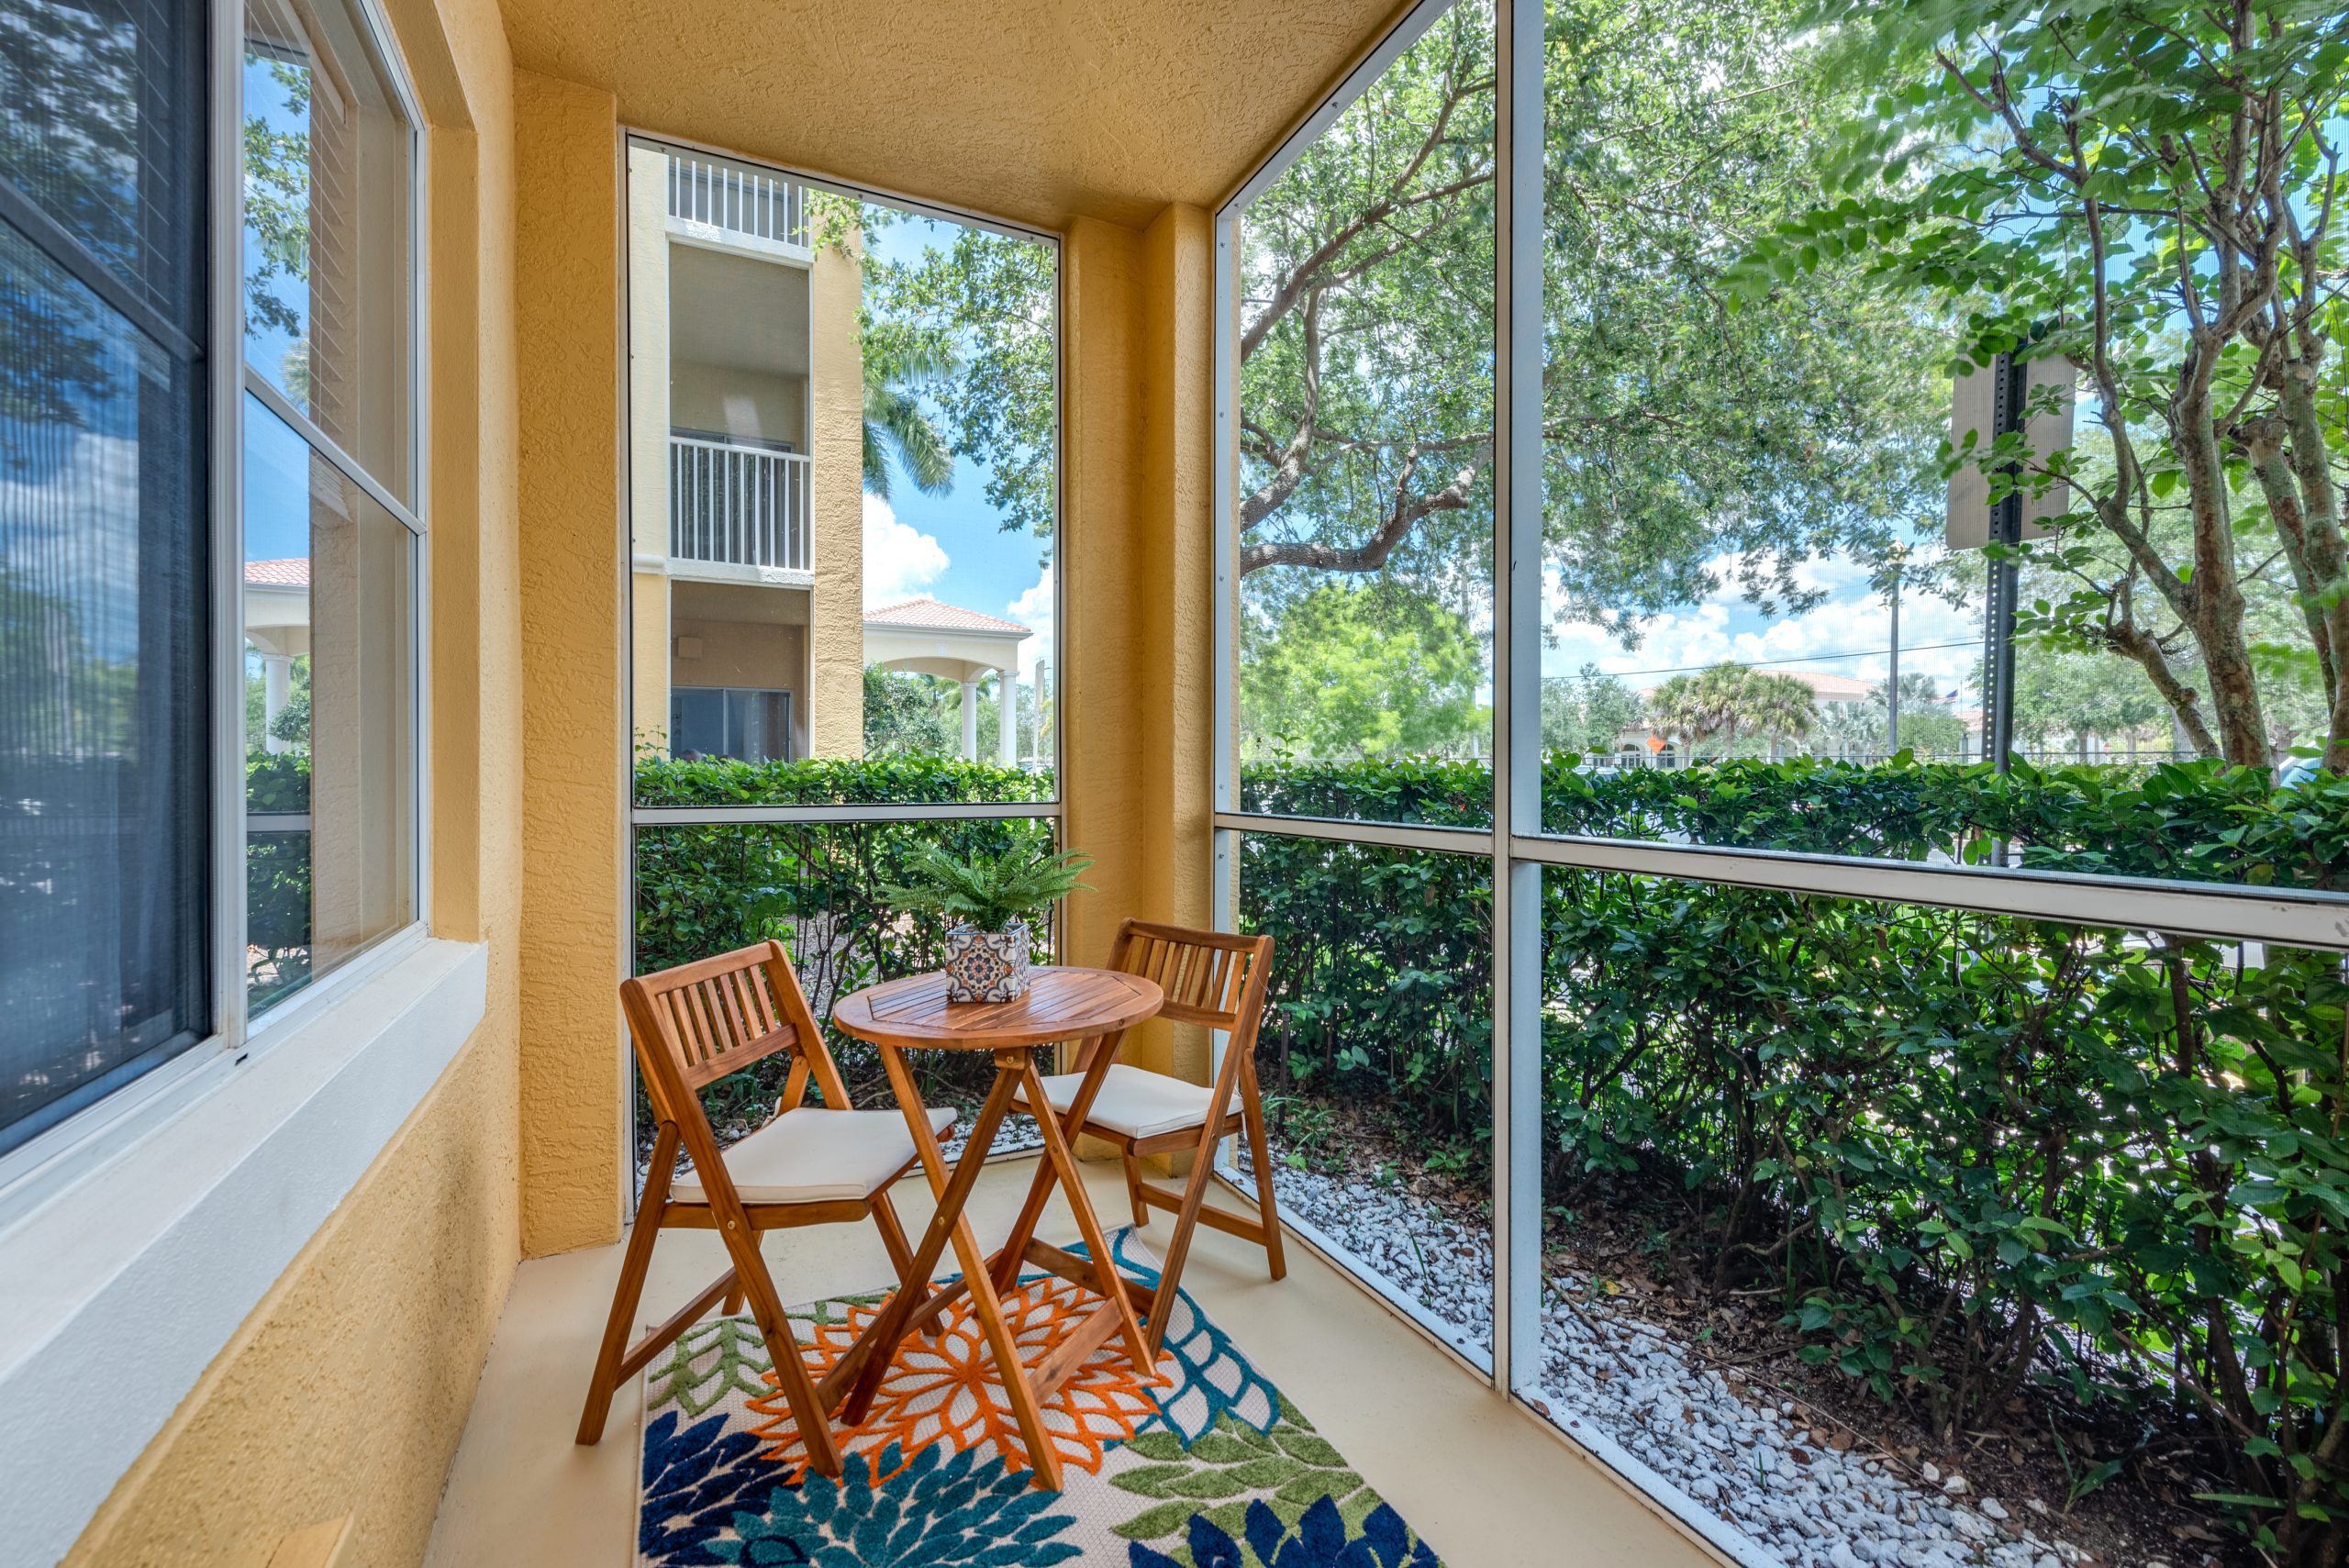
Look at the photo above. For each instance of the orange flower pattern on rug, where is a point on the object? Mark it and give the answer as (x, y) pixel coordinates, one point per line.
(943, 1388)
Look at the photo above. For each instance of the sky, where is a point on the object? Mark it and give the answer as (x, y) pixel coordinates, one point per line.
(1854, 621)
(949, 547)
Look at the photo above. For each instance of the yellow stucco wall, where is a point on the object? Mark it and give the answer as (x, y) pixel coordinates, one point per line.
(574, 864)
(836, 448)
(1138, 439)
(346, 1390)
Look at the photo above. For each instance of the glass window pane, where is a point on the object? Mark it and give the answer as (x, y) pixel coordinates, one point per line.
(843, 420)
(330, 762)
(1365, 491)
(103, 103)
(326, 263)
(103, 725)
(1375, 1059)
(1842, 1178)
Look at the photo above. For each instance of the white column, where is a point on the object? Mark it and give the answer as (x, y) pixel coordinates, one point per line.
(276, 691)
(971, 720)
(1006, 719)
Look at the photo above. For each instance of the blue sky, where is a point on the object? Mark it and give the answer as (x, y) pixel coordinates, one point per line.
(951, 547)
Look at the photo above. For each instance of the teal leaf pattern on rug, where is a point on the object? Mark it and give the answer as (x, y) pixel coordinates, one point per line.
(1320, 1538)
(940, 1512)
(1212, 1379)
(726, 1355)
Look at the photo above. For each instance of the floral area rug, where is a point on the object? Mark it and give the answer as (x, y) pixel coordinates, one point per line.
(1208, 1466)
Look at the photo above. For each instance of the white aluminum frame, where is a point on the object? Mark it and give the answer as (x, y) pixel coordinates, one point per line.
(61, 1154)
(1515, 843)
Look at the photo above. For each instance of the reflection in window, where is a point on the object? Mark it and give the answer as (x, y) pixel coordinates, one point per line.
(328, 270)
(104, 721)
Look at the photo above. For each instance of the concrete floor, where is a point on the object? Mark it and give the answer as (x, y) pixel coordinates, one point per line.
(1485, 1482)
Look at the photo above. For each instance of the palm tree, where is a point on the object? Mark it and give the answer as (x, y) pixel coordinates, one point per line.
(898, 368)
(1720, 703)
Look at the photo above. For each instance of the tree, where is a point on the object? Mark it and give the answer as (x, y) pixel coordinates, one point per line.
(1684, 443)
(911, 715)
(1929, 722)
(1349, 671)
(1728, 701)
(988, 304)
(900, 367)
(2080, 696)
(2149, 189)
(1585, 713)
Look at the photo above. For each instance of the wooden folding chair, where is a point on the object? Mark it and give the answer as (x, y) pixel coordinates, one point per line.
(811, 1165)
(1211, 978)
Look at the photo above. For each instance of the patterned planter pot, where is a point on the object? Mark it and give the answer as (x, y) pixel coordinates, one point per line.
(986, 966)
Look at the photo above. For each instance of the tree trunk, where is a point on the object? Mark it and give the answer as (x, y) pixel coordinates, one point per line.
(2214, 608)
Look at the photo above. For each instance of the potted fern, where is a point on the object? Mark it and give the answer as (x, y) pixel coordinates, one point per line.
(989, 898)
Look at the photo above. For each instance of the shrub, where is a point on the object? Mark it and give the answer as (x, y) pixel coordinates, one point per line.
(1972, 1151)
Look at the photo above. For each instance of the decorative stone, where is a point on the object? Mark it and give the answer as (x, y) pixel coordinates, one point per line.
(987, 966)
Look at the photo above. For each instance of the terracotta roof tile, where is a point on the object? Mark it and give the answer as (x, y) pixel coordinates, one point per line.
(929, 615)
(294, 573)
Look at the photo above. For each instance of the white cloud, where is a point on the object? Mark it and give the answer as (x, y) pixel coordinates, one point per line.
(900, 560)
(1033, 609)
(1852, 620)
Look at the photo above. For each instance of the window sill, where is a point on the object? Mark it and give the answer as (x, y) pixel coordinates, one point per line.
(145, 1266)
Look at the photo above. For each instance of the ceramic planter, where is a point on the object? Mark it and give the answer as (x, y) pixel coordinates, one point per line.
(986, 966)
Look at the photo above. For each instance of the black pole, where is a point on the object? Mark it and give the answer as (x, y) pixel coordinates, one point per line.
(2011, 392)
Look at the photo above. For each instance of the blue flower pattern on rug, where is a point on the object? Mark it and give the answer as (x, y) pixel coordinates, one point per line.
(694, 1479)
(1318, 1540)
(708, 1498)
(940, 1512)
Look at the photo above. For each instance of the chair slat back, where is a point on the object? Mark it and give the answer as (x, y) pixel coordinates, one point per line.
(1209, 977)
(700, 1021)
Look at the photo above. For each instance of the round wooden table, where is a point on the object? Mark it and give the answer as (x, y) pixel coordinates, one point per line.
(1095, 1005)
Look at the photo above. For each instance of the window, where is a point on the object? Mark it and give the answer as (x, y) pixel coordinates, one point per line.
(104, 897)
(118, 439)
(721, 721)
(331, 528)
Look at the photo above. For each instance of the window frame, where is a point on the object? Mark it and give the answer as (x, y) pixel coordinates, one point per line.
(236, 1034)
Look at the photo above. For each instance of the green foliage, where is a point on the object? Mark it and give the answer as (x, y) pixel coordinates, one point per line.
(910, 714)
(277, 877)
(1972, 1153)
(1585, 713)
(989, 892)
(2151, 190)
(819, 887)
(901, 367)
(987, 304)
(1350, 672)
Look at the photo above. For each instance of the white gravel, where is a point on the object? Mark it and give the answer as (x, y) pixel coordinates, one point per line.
(1750, 1462)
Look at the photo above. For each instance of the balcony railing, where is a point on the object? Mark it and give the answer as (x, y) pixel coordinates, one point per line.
(738, 506)
(738, 200)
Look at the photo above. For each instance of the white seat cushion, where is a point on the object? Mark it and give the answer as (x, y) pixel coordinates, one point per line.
(813, 1155)
(1134, 1101)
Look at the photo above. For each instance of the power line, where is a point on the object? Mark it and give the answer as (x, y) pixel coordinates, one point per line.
(1810, 659)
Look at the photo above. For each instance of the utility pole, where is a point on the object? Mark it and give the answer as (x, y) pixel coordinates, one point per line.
(2010, 391)
(1892, 683)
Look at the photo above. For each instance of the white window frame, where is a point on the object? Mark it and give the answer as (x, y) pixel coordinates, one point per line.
(60, 1155)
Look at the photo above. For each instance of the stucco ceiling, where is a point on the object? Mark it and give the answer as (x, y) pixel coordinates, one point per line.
(1037, 110)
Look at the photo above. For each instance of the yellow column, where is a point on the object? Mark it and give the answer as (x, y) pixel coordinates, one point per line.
(648, 411)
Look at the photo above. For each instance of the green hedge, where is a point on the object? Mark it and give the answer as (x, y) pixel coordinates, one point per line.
(1971, 1153)
(277, 877)
(701, 890)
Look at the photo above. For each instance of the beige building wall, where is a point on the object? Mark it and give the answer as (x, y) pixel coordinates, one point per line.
(836, 448)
